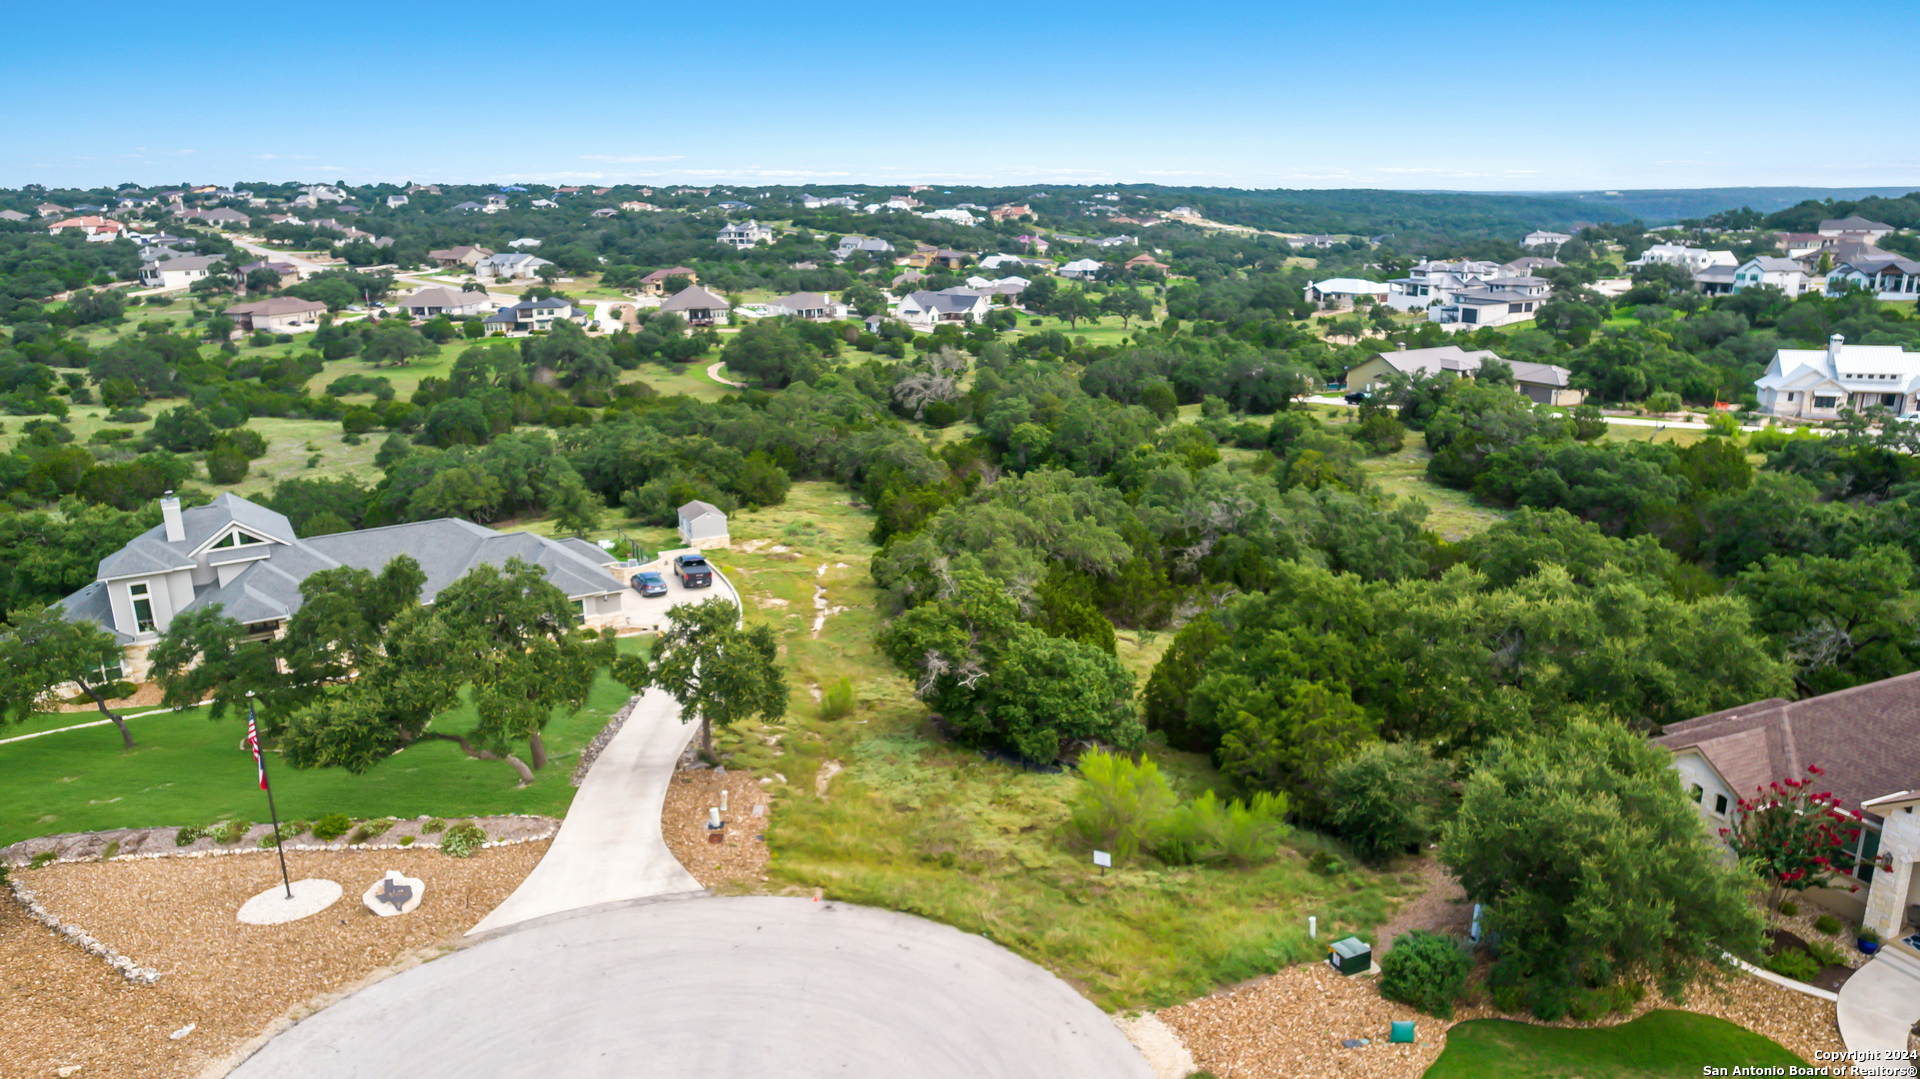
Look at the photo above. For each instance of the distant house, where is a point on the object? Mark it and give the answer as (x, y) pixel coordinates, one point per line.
(640, 207)
(529, 316)
(745, 234)
(248, 560)
(177, 273)
(862, 245)
(947, 258)
(1432, 282)
(1013, 213)
(731, 205)
(283, 219)
(1855, 227)
(1146, 262)
(698, 306)
(1081, 269)
(544, 204)
(1692, 259)
(1542, 383)
(1782, 273)
(469, 206)
(1346, 291)
(1528, 265)
(511, 266)
(929, 309)
(1796, 244)
(280, 314)
(453, 258)
(1543, 238)
(225, 218)
(703, 525)
(396, 200)
(435, 301)
(1866, 742)
(90, 227)
(523, 242)
(605, 211)
(1815, 384)
(289, 272)
(953, 214)
(1494, 304)
(494, 203)
(13, 215)
(50, 209)
(1116, 241)
(655, 283)
(812, 306)
(1893, 279)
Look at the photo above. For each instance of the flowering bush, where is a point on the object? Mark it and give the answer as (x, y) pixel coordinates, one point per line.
(1795, 837)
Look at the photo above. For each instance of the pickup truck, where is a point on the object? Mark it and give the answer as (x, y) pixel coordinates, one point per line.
(693, 571)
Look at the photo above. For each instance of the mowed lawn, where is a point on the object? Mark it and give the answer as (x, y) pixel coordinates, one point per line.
(188, 769)
(1658, 1045)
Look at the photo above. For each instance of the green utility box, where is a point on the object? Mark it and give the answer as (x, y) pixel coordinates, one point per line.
(1350, 956)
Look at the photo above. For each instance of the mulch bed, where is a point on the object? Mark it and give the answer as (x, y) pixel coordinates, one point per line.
(741, 856)
(63, 1007)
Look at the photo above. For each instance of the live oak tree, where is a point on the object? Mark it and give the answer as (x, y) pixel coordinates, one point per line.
(1593, 865)
(44, 652)
(716, 669)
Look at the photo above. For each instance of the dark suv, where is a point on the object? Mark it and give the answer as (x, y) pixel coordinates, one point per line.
(650, 583)
(693, 571)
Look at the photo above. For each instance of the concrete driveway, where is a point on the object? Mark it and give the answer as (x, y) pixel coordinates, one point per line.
(721, 987)
(1878, 1005)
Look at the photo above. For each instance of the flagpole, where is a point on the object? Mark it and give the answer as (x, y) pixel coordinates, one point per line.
(261, 756)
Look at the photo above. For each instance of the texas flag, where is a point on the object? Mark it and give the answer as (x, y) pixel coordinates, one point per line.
(253, 743)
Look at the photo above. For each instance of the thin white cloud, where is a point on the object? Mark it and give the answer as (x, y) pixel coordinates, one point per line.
(631, 159)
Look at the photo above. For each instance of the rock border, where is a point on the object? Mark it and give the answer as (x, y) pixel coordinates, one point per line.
(591, 752)
(19, 855)
(122, 965)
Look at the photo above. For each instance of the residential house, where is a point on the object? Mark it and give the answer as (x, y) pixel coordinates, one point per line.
(91, 227)
(1313, 241)
(469, 206)
(396, 201)
(929, 309)
(279, 314)
(815, 202)
(454, 258)
(1855, 227)
(698, 306)
(511, 266)
(1117, 241)
(1797, 244)
(1543, 238)
(1528, 265)
(1013, 213)
(1146, 262)
(1893, 278)
(248, 560)
(523, 242)
(640, 207)
(1782, 273)
(812, 306)
(949, 259)
(283, 219)
(1081, 269)
(1488, 306)
(177, 273)
(1717, 280)
(435, 301)
(324, 193)
(1542, 383)
(289, 272)
(605, 211)
(1815, 384)
(908, 277)
(731, 205)
(994, 262)
(703, 525)
(1866, 743)
(544, 204)
(655, 283)
(530, 316)
(50, 209)
(745, 234)
(1039, 244)
(901, 202)
(423, 189)
(1692, 259)
(1346, 291)
(1430, 283)
(13, 215)
(953, 214)
(224, 218)
(869, 246)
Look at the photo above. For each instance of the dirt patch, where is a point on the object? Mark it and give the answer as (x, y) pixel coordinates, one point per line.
(741, 855)
(230, 981)
(1441, 906)
(146, 696)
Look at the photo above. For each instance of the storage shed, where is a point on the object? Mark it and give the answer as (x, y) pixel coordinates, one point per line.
(703, 525)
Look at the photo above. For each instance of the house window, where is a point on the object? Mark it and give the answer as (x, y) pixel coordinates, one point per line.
(1823, 402)
(1698, 792)
(1866, 850)
(142, 607)
(236, 539)
(1720, 804)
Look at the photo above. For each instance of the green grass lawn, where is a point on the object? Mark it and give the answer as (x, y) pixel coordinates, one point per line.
(916, 824)
(1658, 1045)
(187, 769)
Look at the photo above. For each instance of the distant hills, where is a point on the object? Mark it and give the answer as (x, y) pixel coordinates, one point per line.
(1657, 207)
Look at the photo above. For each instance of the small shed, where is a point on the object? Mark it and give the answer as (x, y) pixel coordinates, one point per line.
(703, 525)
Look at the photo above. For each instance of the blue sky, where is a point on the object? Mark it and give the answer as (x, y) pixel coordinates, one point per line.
(1623, 94)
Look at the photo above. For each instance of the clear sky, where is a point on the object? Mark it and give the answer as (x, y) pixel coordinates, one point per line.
(1554, 96)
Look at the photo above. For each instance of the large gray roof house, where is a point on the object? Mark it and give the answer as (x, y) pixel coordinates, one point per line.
(246, 558)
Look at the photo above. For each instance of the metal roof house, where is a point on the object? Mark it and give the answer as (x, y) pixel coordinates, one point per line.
(703, 525)
(246, 558)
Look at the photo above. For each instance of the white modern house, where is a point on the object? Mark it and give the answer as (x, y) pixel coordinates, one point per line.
(1543, 238)
(510, 266)
(1692, 259)
(1815, 384)
(703, 525)
(812, 306)
(925, 310)
(1346, 291)
(1892, 278)
(530, 316)
(1430, 282)
(1081, 269)
(434, 300)
(177, 273)
(1782, 273)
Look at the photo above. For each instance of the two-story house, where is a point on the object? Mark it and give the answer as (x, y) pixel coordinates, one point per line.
(1893, 279)
(745, 234)
(529, 316)
(1782, 273)
(177, 273)
(1815, 384)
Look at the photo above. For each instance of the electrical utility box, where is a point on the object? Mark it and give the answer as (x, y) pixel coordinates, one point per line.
(1350, 956)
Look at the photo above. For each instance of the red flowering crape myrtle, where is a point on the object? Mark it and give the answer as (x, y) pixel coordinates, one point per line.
(1795, 837)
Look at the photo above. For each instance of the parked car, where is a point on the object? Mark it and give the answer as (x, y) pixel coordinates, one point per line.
(1358, 397)
(650, 583)
(693, 571)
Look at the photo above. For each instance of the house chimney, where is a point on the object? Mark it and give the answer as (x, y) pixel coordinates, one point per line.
(1833, 351)
(170, 513)
(1400, 346)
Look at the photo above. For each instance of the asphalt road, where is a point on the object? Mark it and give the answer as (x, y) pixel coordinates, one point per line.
(721, 987)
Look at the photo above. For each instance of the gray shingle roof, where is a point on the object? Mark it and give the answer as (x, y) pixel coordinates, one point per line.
(697, 508)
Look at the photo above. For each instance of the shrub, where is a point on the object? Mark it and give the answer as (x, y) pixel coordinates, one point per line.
(1509, 998)
(462, 840)
(433, 826)
(1386, 798)
(1663, 401)
(1326, 863)
(1550, 1001)
(265, 841)
(188, 834)
(406, 841)
(1207, 829)
(112, 849)
(1826, 954)
(837, 703)
(1119, 805)
(370, 830)
(1789, 908)
(1793, 963)
(128, 415)
(292, 828)
(43, 858)
(331, 827)
(1586, 1005)
(228, 832)
(1827, 924)
(1427, 970)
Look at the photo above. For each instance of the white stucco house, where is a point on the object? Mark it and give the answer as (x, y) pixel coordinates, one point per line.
(1815, 384)
(1692, 259)
(1346, 291)
(1782, 273)
(925, 310)
(1081, 269)
(434, 300)
(177, 273)
(745, 234)
(510, 266)
(1865, 740)
(1543, 238)
(703, 525)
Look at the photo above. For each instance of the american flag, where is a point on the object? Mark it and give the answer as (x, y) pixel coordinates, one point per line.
(253, 743)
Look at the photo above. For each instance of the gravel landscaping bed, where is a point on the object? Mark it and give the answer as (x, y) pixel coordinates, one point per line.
(231, 982)
(742, 856)
(1290, 1026)
(163, 841)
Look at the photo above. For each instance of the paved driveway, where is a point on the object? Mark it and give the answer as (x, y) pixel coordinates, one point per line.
(728, 988)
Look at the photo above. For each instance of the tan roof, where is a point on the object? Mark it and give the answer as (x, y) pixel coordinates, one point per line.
(278, 305)
(661, 275)
(1866, 739)
(695, 298)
